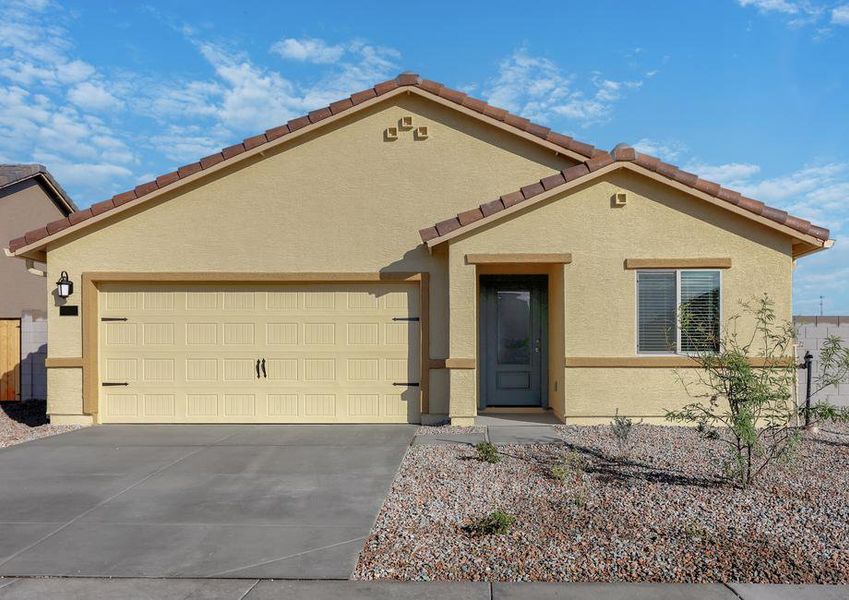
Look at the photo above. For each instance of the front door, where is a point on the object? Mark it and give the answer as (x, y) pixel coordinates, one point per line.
(513, 340)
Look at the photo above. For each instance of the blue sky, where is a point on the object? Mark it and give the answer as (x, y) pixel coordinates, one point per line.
(751, 93)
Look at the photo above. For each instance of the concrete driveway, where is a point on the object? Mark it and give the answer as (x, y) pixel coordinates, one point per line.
(252, 501)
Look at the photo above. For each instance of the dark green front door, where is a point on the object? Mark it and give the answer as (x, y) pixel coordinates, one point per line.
(513, 342)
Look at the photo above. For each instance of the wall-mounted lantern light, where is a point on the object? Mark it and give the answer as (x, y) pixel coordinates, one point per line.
(64, 287)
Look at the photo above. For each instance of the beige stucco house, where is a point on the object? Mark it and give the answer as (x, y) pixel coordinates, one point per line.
(406, 254)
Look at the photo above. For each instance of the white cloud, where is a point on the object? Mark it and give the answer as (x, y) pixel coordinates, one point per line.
(781, 6)
(93, 97)
(797, 13)
(312, 50)
(668, 151)
(536, 88)
(731, 175)
(840, 15)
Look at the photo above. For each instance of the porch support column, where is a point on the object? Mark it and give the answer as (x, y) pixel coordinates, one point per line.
(462, 336)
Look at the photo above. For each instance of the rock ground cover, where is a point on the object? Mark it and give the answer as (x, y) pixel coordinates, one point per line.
(25, 421)
(660, 513)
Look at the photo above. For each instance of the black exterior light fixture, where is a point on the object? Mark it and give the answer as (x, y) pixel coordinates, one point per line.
(64, 287)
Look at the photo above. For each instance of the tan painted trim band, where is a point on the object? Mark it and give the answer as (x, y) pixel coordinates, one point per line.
(653, 362)
(500, 259)
(75, 362)
(90, 312)
(677, 263)
(453, 363)
(629, 166)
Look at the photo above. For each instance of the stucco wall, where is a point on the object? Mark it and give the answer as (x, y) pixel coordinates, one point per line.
(23, 206)
(599, 293)
(344, 200)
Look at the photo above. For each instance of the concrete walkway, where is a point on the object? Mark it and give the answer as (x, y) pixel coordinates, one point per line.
(506, 429)
(254, 589)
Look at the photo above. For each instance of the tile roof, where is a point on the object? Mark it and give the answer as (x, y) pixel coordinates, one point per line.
(11, 174)
(403, 80)
(595, 159)
(621, 153)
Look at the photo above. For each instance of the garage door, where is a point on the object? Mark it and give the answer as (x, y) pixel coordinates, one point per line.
(306, 353)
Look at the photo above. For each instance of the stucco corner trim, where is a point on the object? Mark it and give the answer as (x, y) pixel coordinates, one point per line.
(678, 263)
(502, 259)
(453, 363)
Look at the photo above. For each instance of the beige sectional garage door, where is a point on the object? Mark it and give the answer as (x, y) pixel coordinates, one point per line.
(305, 353)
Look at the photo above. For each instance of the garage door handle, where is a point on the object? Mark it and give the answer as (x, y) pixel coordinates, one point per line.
(113, 384)
(405, 383)
(264, 374)
(405, 318)
(257, 368)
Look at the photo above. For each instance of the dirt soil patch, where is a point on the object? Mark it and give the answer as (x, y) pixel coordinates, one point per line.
(25, 421)
(660, 513)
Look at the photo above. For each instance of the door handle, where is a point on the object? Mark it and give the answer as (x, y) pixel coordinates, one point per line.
(264, 374)
(257, 368)
(536, 346)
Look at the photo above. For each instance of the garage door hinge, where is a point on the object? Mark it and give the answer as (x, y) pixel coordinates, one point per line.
(113, 318)
(405, 383)
(113, 384)
(405, 318)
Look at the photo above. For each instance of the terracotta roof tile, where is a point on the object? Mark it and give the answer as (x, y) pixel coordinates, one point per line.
(36, 234)
(124, 197)
(552, 181)
(254, 141)
(57, 226)
(212, 159)
(594, 159)
(146, 188)
(534, 189)
(79, 216)
(341, 105)
(623, 153)
(189, 169)
(102, 207)
(17, 243)
(167, 179)
(317, 115)
(470, 216)
(508, 200)
(490, 208)
(278, 132)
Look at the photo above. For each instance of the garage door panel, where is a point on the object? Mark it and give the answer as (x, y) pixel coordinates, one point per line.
(332, 353)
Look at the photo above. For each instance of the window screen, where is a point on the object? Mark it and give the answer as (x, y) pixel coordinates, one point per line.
(700, 310)
(657, 314)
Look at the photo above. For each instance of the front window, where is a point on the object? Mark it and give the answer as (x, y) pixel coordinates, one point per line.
(678, 311)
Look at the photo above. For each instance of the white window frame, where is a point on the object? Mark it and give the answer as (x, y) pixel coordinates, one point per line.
(677, 272)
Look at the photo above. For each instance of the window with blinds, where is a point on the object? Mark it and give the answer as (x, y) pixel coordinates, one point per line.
(659, 295)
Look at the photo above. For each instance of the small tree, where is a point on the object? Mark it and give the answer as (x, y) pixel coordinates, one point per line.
(745, 385)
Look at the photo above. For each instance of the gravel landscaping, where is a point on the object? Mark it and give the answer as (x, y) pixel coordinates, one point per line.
(25, 421)
(660, 513)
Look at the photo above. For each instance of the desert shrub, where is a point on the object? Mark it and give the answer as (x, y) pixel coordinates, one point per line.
(570, 464)
(487, 452)
(621, 428)
(497, 522)
(744, 385)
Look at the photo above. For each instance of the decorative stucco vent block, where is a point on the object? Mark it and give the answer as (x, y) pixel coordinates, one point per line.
(620, 199)
(422, 132)
(406, 122)
(390, 134)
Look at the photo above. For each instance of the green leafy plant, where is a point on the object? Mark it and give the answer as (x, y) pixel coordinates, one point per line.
(621, 428)
(487, 452)
(744, 385)
(497, 522)
(833, 369)
(571, 464)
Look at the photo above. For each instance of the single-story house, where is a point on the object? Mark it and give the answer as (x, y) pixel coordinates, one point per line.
(407, 254)
(29, 197)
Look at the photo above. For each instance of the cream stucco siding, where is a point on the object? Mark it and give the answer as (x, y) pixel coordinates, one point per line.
(598, 293)
(342, 200)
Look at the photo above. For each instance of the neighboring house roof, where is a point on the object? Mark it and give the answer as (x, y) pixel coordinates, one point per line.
(591, 157)
(12, 174)
(620, 156)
